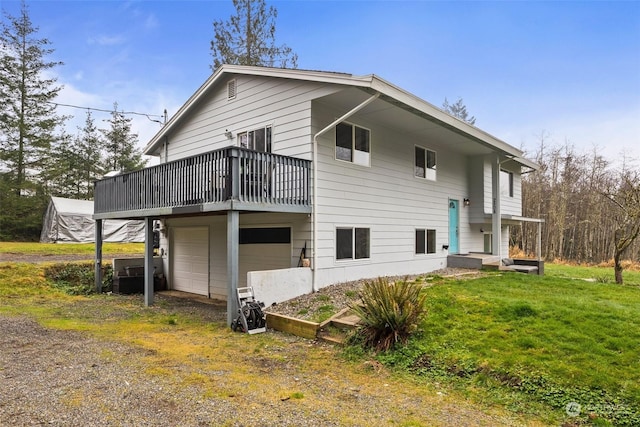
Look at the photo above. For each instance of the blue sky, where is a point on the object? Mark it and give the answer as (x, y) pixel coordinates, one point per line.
(567, 70)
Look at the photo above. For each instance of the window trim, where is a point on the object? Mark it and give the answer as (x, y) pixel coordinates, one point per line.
(353, 144)
(268, 138)
(430, 173)
(354, 248)
(429, 245)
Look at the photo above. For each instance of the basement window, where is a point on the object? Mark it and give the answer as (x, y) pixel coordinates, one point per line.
(425, 241)
(352, 243)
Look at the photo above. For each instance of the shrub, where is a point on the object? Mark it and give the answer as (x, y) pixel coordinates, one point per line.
(78, 278)
(389, 312)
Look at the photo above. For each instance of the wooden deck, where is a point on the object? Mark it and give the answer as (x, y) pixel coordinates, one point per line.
(232, 178)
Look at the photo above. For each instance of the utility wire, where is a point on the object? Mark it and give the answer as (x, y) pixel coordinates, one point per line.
(148, 116)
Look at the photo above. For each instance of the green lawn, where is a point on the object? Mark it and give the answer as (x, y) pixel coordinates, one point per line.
(69, 248)
(534, 343)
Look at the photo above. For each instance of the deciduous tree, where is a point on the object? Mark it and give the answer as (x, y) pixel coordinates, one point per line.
(626, 198)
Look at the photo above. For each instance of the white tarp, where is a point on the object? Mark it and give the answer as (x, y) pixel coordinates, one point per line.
(71, 221)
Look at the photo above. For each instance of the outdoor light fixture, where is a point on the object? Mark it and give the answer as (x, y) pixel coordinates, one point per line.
(466, 202)
(228, 134)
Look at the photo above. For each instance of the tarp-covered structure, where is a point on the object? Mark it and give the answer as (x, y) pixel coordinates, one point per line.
(71, 221)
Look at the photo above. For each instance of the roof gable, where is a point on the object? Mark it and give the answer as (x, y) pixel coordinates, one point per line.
(371, 83)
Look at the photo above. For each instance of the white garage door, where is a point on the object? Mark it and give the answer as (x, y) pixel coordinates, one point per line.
(191, 260)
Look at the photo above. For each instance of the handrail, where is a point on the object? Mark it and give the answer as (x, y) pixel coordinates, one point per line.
(230, 173)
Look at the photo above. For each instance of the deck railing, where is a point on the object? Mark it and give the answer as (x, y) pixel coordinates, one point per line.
(231, 173)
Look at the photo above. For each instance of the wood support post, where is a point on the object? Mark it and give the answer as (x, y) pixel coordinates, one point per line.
(233, 238)
(98, 266)
(148, 261)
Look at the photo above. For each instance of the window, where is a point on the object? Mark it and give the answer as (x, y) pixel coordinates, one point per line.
(425, 164)
(425, 241)
(353, 144)
(506, 183)
(268, 235)
(258, 140)
(352, 243)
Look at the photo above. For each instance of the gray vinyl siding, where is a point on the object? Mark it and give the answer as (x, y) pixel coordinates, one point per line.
(387, 199)
(283, 104)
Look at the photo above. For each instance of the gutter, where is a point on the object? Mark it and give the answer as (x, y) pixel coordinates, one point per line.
(314, 210)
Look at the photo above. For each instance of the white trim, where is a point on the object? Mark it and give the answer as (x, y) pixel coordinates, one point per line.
(353, 259)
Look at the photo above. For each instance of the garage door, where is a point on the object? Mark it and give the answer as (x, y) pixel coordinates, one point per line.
(191, 260)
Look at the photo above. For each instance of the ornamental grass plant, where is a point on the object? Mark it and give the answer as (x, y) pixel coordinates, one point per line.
(389, 312)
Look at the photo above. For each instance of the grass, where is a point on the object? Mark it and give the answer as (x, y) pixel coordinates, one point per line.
(181, 350)
(534, 343)
(525, 344)
(31, 248)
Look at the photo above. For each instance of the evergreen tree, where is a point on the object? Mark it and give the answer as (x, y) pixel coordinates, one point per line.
(89, 143)
(248, 38)
(458, 110)
(28, 119)
(62, 176)
(28, 123)
(120, 144)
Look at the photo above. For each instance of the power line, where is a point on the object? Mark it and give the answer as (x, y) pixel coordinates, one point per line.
(148, 116)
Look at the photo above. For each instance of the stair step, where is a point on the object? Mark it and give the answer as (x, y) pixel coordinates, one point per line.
(347, 322)
(334, 339)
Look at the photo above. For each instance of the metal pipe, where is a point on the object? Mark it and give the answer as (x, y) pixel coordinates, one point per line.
(314, 215)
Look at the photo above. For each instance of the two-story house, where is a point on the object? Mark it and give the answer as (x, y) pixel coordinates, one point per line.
(262, 167)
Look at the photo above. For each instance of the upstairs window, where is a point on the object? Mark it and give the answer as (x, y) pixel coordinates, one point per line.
(352, 243)
(353, 144)
(258, 140)
(425, 164)
(506, 183)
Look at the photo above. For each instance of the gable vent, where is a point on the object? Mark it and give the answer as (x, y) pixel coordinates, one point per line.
(231, 89)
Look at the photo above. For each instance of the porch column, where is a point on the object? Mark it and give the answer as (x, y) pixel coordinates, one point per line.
(98, 266)
(148, 261)
(539, 241)
(233, 232)
(496, 223)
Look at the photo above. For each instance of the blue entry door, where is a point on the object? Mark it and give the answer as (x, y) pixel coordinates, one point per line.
(454, 229)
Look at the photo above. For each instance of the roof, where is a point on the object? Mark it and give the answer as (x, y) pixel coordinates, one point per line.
(388, 91)
(73, 206)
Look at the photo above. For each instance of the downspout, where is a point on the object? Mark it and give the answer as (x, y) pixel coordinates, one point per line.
(314, 218)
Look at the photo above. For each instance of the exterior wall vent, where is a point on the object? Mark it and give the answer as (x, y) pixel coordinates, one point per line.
(231, 89)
